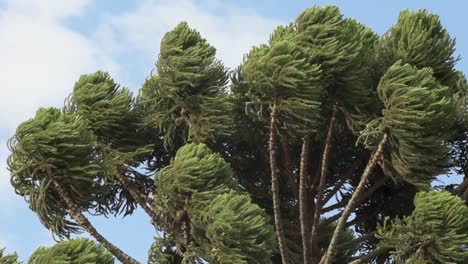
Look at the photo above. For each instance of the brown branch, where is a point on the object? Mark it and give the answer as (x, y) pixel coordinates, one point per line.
(343, 178)
(76, 214)
(304, 172)
(275, 187)
(323, 176)
(328, 257)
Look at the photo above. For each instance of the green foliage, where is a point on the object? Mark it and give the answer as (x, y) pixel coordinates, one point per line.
(162, 251)
(188, 97)
(8, 258)
(418, 113)
(231, 229)
(55, 146)
(73, 251)
(435, 232)
(225, 226)
(195, 170)
(419, 39)
(110, 113)
(344, 49)
(278, 74)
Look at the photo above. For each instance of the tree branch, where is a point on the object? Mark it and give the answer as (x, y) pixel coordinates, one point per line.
(275, 187)
(323, 175)
(304, 172)
(328, 257)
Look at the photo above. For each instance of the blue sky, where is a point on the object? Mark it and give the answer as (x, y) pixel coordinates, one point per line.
(46, 45)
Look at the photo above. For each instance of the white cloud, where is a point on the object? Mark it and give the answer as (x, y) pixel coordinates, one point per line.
(41, 58)
(50, 9)
(231, 30)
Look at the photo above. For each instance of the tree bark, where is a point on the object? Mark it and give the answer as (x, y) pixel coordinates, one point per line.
(304, 172)
(76, 214)
(328, 257)
(323, 176)
(272, 145)
(288, 167)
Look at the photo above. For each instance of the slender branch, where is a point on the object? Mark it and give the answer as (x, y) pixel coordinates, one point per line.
(275, 187)
(78, 216)
(323, 176)
(356, 240)
(304, 172)
(335, 206)
(343, 178)
(368, 258)
(328, 257)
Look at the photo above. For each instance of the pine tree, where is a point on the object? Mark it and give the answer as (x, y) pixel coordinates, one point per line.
(73, 251)
(52, 166)
(209, 218)
(323, 132)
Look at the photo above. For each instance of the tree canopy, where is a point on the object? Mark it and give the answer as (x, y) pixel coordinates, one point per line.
(325, 145)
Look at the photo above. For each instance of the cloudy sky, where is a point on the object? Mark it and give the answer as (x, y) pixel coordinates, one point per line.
(46, 45)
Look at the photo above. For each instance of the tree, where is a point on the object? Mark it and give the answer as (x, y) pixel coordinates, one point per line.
(52, 166)
(73, 251)
(322, 134)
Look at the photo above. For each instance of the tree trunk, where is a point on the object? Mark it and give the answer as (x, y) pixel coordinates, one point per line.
(323, 177)
(76, 214)
(272, 145)
(304, 172)
(328, 257)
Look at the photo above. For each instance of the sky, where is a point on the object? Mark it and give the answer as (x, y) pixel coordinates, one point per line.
(46, 45)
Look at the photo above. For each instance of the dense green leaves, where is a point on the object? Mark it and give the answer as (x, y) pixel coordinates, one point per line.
(436, 231)
(55, 146)
(418, 114)
(8, 258)
(418, 38)
(187, 99)
(73, 251)
(231, 229)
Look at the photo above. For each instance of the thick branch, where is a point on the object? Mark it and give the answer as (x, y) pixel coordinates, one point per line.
(328, 257)
(323, 176)
(272, 144)
(304, 172)
(78, 216)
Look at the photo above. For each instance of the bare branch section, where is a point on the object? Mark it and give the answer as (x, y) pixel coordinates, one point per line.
(328, 257)
(304, 171)
(78, 216)
(323, 175)
(275, 187)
